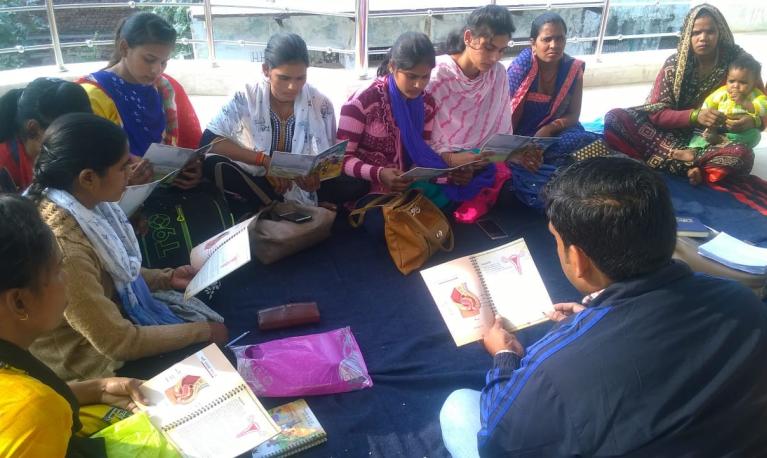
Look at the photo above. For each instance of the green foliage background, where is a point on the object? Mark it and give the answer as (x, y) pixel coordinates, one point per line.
(28, 28)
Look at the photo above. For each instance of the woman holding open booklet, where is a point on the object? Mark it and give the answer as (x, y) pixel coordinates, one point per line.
(546, 88)
(134, 92)
(471, 91)
(117, 311)
(389, 124)
(42, 414)
(279, 112)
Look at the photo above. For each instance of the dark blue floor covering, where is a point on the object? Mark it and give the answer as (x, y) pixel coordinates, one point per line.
(718, 210)
(410, 355)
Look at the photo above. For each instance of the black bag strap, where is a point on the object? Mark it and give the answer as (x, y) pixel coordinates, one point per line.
(218, 176)
(357, 216)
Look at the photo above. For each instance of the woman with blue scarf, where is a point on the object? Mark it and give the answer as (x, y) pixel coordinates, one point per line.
(117, 310)
(546, 87)
(389, 124)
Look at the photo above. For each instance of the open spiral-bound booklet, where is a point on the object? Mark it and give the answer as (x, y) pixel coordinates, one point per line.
(219, 256)
(471, 290)
(205, 408)
(167, 162)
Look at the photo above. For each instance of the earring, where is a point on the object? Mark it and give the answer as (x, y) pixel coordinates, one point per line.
(25, 317)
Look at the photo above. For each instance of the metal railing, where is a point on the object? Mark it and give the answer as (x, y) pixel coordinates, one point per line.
(360, 16)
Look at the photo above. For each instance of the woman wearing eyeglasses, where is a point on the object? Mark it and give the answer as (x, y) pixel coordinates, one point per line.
(471, 92)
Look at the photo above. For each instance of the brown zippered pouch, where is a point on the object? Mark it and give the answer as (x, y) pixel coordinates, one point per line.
(287, 315)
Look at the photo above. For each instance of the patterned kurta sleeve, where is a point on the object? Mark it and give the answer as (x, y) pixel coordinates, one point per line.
(232, 121)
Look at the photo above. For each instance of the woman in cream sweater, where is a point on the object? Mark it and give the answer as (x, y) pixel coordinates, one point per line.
(112, 316)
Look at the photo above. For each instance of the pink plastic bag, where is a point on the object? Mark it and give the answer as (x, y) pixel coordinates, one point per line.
(325, 363)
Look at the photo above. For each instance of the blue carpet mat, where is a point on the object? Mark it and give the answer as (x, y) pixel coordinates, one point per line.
(410, 355)
(718, 210)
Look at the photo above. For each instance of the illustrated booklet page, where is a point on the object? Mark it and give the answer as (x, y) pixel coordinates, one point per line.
(219, 256)
(427, 173)
(471, 290)
(328, 164)
(205, 408)
(300, 430)
(167, 162)
(504, 146)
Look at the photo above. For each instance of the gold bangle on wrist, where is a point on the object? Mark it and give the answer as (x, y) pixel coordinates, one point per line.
(694, 116)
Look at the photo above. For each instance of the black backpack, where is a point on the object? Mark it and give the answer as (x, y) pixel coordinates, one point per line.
(178, 221)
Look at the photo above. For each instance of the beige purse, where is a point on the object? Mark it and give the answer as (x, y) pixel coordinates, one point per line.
(415, 228)
(272, 237)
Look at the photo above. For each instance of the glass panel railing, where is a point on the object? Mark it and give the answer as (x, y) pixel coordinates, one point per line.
(24, 36)
(83, 29)
(87, 33)
(643, 26)
(242, 27)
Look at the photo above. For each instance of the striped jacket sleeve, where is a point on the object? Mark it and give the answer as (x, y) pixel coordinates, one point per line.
(351, 126)
(521, 411)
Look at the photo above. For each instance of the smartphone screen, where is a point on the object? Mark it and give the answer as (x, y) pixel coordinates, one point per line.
(492, 229)
(296, 217)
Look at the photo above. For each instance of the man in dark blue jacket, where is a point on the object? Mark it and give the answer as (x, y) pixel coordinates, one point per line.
(656, 361)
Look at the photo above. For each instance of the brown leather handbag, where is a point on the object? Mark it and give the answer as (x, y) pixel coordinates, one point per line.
(273, 237)
(415, 228)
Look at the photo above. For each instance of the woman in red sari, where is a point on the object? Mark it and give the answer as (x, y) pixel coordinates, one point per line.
(659, 131)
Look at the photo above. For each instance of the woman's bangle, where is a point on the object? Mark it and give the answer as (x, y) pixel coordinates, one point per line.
(447, 157)
(694, 116)
(260, 158)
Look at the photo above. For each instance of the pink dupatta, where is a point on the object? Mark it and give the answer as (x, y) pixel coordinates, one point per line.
(469, 111)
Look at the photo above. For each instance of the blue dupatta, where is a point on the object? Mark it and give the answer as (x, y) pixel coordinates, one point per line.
(140, 107)
(409, 115)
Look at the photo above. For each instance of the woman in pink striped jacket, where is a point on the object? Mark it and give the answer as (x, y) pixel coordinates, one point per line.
(388, 126)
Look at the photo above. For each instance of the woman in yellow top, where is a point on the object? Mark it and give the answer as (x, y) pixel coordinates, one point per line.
(39, 413)
(134, 93)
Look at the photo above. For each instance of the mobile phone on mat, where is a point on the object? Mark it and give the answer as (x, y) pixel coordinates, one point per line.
(296, 217)
(492, 229)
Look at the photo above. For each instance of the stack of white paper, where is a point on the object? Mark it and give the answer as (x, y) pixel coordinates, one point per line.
(735, 254)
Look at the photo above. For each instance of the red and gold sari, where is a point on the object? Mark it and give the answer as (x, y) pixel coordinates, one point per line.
(652, 131)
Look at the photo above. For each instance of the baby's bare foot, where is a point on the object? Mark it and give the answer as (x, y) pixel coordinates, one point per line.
(695, 176)
(684, 155)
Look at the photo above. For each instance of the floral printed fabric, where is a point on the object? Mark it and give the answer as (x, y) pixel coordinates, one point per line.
(246, 120)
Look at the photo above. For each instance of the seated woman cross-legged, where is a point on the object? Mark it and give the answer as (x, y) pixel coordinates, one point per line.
(41, 414)
(389, 124)
(113, 315)
(279, 112)
(659, 132)
(546, 87)
(471, 92)
(134, 92)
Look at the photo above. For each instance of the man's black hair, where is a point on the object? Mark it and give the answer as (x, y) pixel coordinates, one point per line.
(618, 211)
